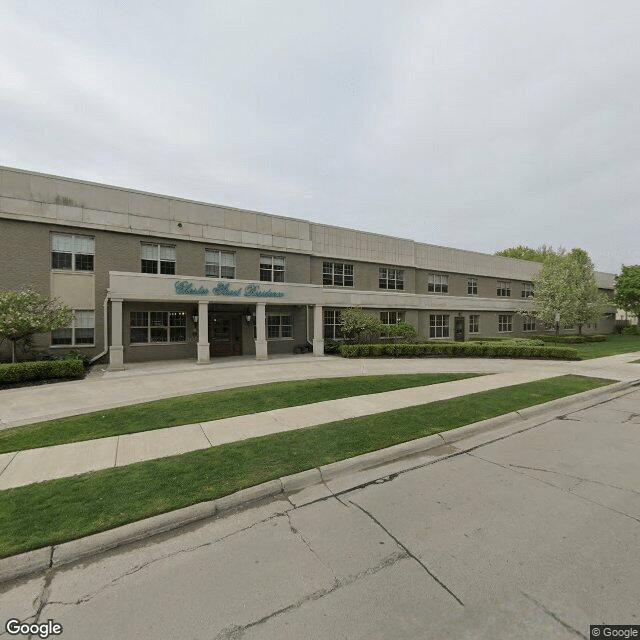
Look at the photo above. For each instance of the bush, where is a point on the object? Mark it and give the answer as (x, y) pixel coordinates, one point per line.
(44, 370)
(631, 330)
(576, 339)
(457, 349)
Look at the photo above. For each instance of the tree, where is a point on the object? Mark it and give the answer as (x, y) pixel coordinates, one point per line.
(23, 313)
(627, 295)
(566, 285)
(402, 330)
(360, 326)
(534, 255)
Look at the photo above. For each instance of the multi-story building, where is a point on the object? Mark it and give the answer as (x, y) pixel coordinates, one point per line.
(153, 277)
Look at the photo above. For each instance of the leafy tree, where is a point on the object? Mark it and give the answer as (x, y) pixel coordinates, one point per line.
(23, 313)
(534, 255)
(360, 326)
(627, 295)
(566, 285)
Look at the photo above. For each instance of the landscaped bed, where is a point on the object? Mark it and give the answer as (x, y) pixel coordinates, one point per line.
(53, 512)
(213, 405)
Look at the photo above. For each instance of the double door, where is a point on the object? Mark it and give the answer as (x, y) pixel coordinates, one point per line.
(225, 334)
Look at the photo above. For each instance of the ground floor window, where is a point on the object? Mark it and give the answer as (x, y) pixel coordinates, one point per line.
(438, 326)
(391, 317)
(157, 326)
(505, 323)
(80, 332)
(474, 323)
(279, 326)
(332, 324)
(528, 324)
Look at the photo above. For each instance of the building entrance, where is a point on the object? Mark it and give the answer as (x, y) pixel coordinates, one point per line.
(459, 328)
(225, 334)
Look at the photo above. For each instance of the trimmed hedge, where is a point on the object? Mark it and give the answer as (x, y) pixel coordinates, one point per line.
(41, 370)
(456, 349)
(576, 339)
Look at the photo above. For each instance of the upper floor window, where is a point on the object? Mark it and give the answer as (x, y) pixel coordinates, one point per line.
(79, 332)
(504, 288)
(337, 274)
(391, 278)
(438, 283)
(72, 252)
(157, 258)
(271, 269)
(527, 290)
(472, 286)
(219, 264)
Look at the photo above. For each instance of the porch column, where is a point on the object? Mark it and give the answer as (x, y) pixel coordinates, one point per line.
(261, 331)
(318, 331)
(203, 331)
(116, 351)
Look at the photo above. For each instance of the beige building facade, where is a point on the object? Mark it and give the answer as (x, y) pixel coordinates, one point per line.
(152, 277)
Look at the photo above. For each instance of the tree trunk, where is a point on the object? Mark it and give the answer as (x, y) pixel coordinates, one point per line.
(13, 351)
(579, 329)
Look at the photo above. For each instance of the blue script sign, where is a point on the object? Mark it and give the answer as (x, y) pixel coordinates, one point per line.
(186, 288)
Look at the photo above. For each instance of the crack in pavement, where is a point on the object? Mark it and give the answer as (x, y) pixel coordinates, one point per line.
(552, 615)
(235, 632)
(44, 594)
(409, 553)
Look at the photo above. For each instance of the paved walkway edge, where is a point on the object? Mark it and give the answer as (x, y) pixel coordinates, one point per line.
(58, 555)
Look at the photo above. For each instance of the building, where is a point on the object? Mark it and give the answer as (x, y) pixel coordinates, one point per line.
(152, 277)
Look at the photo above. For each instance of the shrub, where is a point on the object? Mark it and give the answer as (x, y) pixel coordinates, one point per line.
(575, 339)
(43, 370)
(631, 330)
(457, 349)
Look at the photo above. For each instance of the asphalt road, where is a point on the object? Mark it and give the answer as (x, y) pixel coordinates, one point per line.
(533, 536)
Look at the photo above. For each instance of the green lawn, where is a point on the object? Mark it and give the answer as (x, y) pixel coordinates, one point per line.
(615, 344)
(53, 512)
(213, 405)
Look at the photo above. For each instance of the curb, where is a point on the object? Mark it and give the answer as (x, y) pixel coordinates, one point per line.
(55, 556)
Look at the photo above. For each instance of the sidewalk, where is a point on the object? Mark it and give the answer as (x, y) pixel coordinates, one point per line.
(47, 463)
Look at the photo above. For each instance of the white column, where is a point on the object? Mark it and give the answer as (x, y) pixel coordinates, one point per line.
(318, 331)
(203, 332)
(261, 331)
(116, 351)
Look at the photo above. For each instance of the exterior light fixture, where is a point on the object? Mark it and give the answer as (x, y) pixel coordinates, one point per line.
(248, 316)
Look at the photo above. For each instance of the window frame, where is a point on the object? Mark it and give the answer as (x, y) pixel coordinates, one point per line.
(332, 330)
(527, 290)
(503, 291)
(386, 281)
(472, 286)
(158, 261)
(439, 323)
(280, 325)
(398, 314)
(73, 253)
(474, 325)
(269, 270)
(219, 264)
(528, 323)
(168, 326)
(329, 274)
(505, 323)
(442, 286)
(73, 328)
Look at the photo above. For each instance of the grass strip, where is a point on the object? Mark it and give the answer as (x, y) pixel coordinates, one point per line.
(212, 405)
(614, 345)
(59, 510)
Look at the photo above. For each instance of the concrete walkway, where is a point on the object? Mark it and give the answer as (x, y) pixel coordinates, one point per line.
(37, 465)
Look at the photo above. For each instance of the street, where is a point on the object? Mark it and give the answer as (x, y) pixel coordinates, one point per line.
(532, 536)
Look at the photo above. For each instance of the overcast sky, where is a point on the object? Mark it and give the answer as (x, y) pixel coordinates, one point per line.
(474, 124)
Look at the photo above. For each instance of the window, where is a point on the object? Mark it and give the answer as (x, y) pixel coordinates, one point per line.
(438, 326)
(219, 264)
(474, 324)
(528, 324)
(472, 286)
(391, 317)
(271, 269)
(527, 290)
(80, 332)
(504, 289)
(505, 323)
(391, 278)
(279, 326)
(158, 326)
(332, 324)
(157, 258)
(71, 252)
(337, 274)
(438, 283)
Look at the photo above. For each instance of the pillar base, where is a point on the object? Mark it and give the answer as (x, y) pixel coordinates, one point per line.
(261, 350)
(318, 347)
(204, 356)
(116, 359)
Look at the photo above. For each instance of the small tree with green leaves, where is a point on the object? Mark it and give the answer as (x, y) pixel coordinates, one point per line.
(627, 293)
(402, 330)
(533, 255)
(27, 312)
(360, 326)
